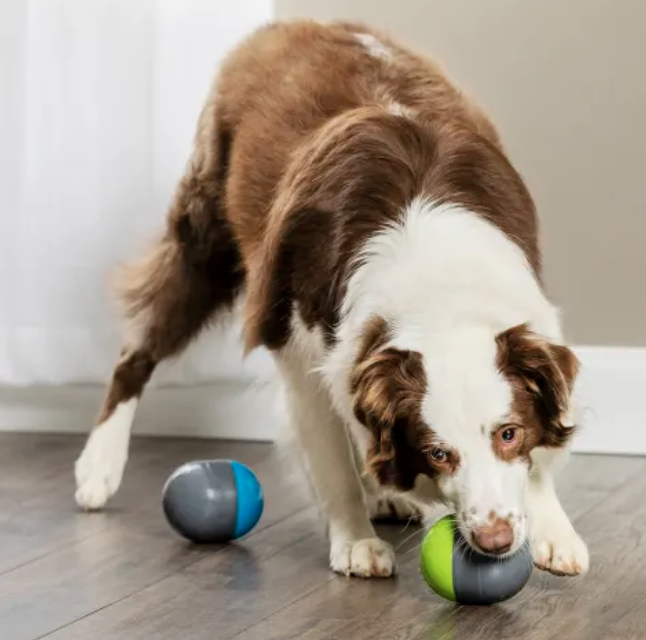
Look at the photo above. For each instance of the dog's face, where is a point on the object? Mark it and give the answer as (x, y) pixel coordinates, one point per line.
(467, 417)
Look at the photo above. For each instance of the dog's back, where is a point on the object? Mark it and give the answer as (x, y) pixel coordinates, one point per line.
(289, 80)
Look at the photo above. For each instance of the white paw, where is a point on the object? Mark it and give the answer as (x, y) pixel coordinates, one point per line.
(557, 548)
(99, 468)
(393, 508)
(368, 558)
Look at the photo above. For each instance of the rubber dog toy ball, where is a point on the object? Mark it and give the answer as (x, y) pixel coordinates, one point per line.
(212, 500)
(458, 573)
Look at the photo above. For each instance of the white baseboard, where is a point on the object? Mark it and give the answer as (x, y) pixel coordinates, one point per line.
(609, 391)
(227, 410)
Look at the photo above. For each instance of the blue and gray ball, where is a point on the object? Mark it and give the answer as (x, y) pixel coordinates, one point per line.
(212, 500)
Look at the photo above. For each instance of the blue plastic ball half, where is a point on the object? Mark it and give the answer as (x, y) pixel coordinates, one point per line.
(250, 499)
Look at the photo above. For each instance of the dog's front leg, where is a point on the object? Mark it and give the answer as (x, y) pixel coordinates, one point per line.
(326, 447)
(556, 546)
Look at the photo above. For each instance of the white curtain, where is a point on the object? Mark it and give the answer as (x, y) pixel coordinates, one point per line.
(98, 102)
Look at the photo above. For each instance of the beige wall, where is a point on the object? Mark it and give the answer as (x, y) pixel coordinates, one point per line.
(566, 82)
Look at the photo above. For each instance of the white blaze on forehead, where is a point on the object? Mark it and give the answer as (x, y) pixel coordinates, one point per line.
(467, 396)
(467, 399)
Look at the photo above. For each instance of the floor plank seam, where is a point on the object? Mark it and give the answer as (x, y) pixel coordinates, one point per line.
(278, 611)
(58, 549)
(609, 494)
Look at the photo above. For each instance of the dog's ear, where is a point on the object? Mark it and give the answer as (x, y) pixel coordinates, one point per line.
(548, 371)
(388, 385)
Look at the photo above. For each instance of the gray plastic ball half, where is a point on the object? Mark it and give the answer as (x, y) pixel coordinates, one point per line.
(484, 580)
(200, 501)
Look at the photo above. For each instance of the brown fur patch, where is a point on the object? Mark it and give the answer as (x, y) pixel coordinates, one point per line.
(128, 381)
(388, 386)
(347, 183)
(542, 376)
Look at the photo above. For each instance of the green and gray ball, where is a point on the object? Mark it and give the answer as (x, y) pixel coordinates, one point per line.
(456, 572)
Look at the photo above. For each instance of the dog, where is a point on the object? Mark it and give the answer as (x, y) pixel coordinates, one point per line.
(389, 257)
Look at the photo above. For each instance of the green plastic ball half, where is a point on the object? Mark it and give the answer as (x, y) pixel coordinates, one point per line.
(457, 573)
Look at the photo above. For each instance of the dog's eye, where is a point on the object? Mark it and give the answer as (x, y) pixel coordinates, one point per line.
(508, 435)
(438, 455)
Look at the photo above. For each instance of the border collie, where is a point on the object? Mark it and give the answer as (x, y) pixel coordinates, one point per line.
(389, 256)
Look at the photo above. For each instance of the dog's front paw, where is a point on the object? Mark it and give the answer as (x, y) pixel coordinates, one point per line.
(559, 550)
(368, 558)
(99, 469)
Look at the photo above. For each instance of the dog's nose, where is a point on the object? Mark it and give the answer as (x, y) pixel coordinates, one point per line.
(495, 538)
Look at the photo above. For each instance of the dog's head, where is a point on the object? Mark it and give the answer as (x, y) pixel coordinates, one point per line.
(467, 415)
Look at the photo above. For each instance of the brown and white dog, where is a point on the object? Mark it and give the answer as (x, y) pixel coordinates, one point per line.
(390, 260)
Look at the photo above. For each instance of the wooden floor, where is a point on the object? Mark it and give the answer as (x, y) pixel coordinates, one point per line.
(124, 575)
